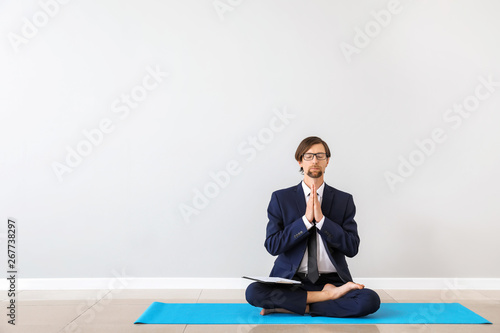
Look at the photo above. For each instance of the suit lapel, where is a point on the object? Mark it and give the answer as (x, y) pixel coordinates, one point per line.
(327, 203)
(299, 198)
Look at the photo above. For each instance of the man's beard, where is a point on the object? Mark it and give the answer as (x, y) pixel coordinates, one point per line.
(315, 173)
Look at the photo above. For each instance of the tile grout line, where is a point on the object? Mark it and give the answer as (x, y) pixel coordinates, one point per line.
(81, 314)
(199, 296)
(385, 291)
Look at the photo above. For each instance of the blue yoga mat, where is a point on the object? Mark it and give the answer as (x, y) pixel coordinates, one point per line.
(242, 313)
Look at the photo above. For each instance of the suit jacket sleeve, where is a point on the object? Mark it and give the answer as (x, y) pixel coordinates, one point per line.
(343, 235)
(281, 237)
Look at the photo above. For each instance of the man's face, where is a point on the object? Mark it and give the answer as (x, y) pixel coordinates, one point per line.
(315, 168)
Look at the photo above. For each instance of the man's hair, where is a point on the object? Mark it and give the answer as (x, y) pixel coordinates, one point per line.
(306, 144)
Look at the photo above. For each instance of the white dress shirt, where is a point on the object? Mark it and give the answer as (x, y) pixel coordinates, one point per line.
(324, 263)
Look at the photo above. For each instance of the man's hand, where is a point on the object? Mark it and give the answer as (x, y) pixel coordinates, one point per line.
(318, 214)
(313, 208)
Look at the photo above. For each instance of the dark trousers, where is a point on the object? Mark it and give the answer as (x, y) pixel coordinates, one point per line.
(356, 303)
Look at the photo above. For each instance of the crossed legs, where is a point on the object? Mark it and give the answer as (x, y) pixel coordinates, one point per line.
(345, 300)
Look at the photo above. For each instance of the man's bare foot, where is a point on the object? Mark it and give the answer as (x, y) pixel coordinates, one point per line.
(269, 311)
(337, 292)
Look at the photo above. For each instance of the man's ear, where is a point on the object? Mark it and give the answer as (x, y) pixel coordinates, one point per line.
(301, 167)
(327, 161)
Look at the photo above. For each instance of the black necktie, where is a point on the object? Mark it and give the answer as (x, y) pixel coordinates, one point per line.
(312, 259)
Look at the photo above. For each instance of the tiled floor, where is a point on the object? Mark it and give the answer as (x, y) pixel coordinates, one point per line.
(82, 311)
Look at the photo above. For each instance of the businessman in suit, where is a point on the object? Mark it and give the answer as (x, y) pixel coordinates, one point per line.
(311, 229)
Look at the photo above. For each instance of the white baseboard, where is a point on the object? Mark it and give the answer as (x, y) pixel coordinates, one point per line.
(122, 282)
(431, 283)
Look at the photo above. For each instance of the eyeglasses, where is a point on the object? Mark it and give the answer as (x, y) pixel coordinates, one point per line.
(310, 156)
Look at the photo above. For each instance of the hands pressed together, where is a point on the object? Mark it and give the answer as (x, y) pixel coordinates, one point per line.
(313, 208)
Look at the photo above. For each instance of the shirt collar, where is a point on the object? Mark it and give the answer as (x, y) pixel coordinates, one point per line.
(307, 190)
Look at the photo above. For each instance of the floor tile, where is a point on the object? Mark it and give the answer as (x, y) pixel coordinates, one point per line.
(415, 295)
(155, 294)
(110, 314)
(384, 296)
(463, 295)
(66, 295)
(146, 302)
(403, 328)
(127, 328)
(21, 328)
(463, 329)
(343, 328)
(222, 296)
(446, 296)
(103, 311)
(80, 303)
(246, 329)
(53, 315)
(491, 294)
(149, 296)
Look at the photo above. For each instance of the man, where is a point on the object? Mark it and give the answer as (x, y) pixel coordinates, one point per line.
(311, 229)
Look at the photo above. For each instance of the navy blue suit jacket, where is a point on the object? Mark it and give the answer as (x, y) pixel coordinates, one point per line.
(286, 234)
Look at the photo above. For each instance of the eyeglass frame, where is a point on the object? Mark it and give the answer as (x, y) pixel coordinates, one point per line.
(314, 155)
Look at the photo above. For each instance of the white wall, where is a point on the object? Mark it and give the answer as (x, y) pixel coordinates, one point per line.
(231, 70)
